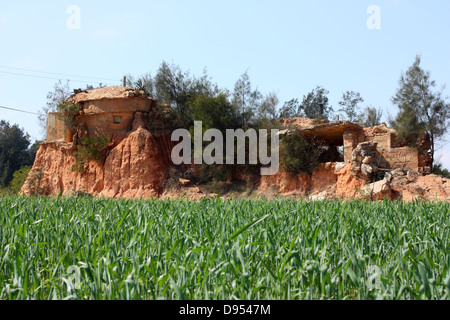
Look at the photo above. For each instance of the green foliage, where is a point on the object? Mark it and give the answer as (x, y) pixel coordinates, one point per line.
(5, 192)
(68, 111)
(17, 182)
(290, 109)
(246, 99)
(19, 178)
(439, 170)
(177, 88)
(224, 250)
(349, 104)
(408, 127)
(315, 104)
(188, 96)
(61, 91)
(91, 87)
(94, 148)
(370, 117)
(198, 99)
(14, 152)
(216, 112)
(214, 172)
(298, 155)
(422, 111)
(268, 108)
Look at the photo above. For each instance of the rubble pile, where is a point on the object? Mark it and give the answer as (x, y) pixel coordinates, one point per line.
(364, 160)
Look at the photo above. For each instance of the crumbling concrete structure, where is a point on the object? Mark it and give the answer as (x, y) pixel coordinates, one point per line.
(367, 149)
(55, 128)
(108, 111)
(357, 162)
(137, 159)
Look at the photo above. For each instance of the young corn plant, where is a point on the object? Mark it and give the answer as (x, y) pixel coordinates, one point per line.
(86, 249)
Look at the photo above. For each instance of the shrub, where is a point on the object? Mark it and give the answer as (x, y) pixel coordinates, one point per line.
(19, 178)
(299, 155)
(68, 110)
(440, 171)
(94, 148)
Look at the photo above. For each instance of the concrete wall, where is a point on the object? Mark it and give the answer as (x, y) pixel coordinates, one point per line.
(389, 157)
(384, 141)
(393, 158)
(55, 128)
(117, 105)
(351, 141)
(111, 117)
(105, 123)
(404, 157)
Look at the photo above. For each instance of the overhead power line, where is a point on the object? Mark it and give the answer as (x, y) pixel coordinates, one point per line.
(13, 109)
(42, 77)
(59, 74)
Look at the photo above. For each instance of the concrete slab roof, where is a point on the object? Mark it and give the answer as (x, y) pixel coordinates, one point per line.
(108, 93)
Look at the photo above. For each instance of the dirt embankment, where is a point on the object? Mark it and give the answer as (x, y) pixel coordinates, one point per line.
(137, 167)
(140, 167)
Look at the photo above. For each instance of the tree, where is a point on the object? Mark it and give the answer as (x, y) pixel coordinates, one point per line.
(91, 87)
(370, 117)
(61, 91)
(14, 151)
(246, 99)
(349, 103)
(174, 88)
(216, 112)
(268, 107)
(299, 155)
(290, 109)
(145, 83)
(32, 150)
(315, 104)
(441, 171)
(422, 111)
(19, 178)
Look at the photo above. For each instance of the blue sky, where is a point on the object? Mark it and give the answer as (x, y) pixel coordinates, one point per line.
(287, 47)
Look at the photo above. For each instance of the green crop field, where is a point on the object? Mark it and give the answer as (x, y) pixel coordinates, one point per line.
(80, 248)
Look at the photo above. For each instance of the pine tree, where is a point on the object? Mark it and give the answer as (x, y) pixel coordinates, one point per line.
(349, 103)
(370, 117)
(422, 110)
(315, 104)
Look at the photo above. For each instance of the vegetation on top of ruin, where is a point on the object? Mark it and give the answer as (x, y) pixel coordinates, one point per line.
(422, 111)
(90, 148)
(440, 171)
(67, 112)
(299, 155)
(185, 97)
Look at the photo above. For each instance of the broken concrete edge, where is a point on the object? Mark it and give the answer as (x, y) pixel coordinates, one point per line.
(373, 145)
(372, 191)
(107, 93)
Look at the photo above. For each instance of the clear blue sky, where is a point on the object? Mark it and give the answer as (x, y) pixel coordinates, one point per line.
(287, 46)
